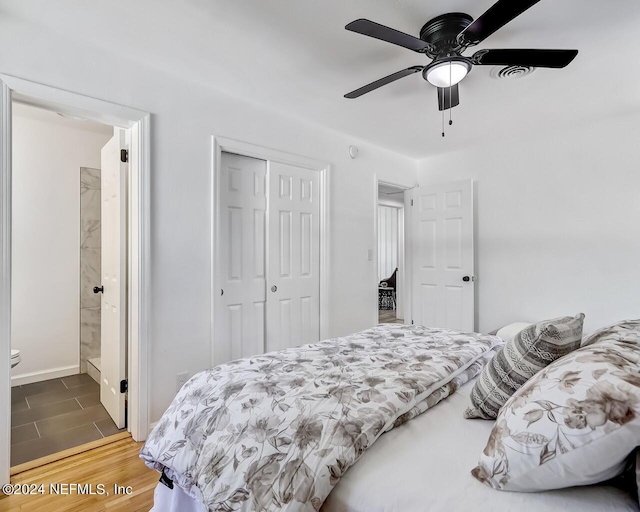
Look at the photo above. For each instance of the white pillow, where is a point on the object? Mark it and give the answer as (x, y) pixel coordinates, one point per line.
(574, 423)
(508, 332)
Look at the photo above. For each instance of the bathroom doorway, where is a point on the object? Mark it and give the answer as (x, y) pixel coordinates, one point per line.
(60, 197)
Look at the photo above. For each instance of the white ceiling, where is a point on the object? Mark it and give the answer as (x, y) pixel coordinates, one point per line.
(295, 56)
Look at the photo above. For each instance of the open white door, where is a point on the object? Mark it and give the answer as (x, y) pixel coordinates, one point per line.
(442, 256)
(114, 251)
(293, 294)
(240, 301)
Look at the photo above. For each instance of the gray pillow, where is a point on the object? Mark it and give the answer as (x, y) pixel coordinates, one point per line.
(518, 360)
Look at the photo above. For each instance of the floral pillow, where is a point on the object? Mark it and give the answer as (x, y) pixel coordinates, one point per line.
(574, 423)
(627, 329)
(638, 474)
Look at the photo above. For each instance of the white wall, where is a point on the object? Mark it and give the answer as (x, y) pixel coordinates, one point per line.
(557, 223)
(184, 116)
(48, 152)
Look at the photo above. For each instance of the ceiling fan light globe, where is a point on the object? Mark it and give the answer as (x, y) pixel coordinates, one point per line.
(447, 74)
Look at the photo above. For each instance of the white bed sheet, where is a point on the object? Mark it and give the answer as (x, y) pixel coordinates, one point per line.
(424, 466)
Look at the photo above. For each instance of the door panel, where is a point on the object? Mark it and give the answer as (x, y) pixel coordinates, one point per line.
(284, 239)
(114, 249)
(442, 232)
(293, 301)
(240, 303)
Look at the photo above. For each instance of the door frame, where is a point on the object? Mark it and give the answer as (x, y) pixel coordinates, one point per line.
(222, 144)
(400, 278)
(405, 275)
(138, 293)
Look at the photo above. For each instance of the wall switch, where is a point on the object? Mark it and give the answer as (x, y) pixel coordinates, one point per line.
(370, 254)
(181, 380)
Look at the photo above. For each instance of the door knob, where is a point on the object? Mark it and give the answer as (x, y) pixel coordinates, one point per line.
(274, 288)
(98, 289)
(466, 279)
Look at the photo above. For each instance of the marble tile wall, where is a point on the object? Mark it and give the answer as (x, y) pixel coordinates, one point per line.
(90, 272)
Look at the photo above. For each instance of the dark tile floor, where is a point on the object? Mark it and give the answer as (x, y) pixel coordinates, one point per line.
(54, 415)
(388, 316)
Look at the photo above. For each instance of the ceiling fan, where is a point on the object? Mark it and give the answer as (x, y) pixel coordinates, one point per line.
(446, 37)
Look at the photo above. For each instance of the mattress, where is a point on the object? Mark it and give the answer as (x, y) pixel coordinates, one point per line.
(424, 465)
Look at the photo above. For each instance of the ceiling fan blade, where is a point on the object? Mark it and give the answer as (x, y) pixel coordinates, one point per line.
(448, 97)
(383, 81)
(534, 58)
(498, 15)
(390, 35)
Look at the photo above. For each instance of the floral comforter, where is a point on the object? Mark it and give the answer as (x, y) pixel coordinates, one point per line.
(277, 431)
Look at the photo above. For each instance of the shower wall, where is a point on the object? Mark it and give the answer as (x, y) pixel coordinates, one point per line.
(90, 267)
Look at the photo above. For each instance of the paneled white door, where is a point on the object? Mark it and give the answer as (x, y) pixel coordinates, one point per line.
(114, 250)
(442, 256)
(293, 282)
(240, 318)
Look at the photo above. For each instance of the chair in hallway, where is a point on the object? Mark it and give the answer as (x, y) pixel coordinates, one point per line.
(387, 292)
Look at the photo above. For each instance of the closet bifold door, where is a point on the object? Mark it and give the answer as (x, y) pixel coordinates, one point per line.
(293, 277)
(240, 302)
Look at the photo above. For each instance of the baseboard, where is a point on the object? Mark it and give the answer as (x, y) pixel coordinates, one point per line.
(93, 372)
(55, 373)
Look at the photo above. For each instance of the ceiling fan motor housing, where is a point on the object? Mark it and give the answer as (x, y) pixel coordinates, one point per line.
(442, 33)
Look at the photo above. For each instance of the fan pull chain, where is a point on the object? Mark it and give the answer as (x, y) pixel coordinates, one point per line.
(450, 97)
(442, 109)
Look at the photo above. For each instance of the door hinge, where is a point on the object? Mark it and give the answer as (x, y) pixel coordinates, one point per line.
(124, 386)
(124, 155)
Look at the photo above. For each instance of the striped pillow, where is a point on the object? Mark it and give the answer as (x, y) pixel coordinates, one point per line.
(518, 360)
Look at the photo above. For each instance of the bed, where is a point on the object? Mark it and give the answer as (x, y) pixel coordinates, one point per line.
(407, 471)
(395, 465)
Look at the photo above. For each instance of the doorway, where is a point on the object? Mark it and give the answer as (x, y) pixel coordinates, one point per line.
(64, 236)
(130, 127)
(391, 253)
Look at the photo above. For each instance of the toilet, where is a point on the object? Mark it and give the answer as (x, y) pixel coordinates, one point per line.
(15, 357)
